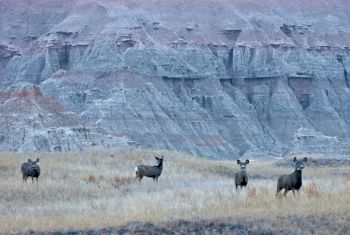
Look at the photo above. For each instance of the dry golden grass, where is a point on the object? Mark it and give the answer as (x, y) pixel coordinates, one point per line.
(96, 188)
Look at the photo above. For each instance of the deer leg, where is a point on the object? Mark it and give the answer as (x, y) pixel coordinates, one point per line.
(285, 193)
(32, 179)
(37, 182)
(293, 192)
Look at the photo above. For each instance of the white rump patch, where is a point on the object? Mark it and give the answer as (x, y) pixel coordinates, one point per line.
(136, 169)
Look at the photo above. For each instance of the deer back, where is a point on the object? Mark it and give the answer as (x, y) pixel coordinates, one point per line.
(149, 170)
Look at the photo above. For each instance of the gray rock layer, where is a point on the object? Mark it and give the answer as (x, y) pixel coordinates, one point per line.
(212, 78)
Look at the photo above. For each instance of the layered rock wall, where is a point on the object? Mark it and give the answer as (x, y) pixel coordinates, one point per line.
(214, 78)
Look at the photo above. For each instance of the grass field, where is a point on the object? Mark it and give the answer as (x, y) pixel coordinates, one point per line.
(96, 188)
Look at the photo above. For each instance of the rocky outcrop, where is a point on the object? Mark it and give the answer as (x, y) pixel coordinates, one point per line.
(32, 122)
(215, 79)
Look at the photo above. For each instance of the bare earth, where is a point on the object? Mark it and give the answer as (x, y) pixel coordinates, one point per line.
(93, 192)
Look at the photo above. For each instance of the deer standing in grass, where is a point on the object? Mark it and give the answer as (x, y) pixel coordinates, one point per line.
(241, 177)
(292, 181)
(31, 169)
(150, 171)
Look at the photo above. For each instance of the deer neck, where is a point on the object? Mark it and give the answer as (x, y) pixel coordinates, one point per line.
(298, 173)
(160, 165)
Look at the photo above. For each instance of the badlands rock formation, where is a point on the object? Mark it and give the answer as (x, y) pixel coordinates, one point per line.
(213, 78)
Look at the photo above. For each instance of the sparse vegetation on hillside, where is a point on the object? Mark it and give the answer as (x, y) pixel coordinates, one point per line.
(95, 188)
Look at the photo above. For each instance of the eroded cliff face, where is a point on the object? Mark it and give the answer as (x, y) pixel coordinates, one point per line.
(213, 78)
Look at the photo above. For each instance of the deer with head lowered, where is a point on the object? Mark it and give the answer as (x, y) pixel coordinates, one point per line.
(150, 171)
(241, 177)
(31, 169)
(292, 181)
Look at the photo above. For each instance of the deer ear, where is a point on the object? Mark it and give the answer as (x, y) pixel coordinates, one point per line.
(162, 157)
(37, 159)
(295, 159)
(238, 161)
(305, 159)
(29, 160)
(156, 157)
(247, 161)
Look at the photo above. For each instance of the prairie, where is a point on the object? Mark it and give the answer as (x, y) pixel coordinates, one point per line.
(95, 189)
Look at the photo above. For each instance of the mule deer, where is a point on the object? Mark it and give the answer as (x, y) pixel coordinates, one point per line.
(292, 181)
(150, 171)
(31, 169)
(241, 177)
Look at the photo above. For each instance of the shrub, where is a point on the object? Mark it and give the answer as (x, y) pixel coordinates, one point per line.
(120, 181)
(252, 192)
(311, 190)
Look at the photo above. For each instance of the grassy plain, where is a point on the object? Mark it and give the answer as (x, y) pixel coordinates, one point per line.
(95, 188)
